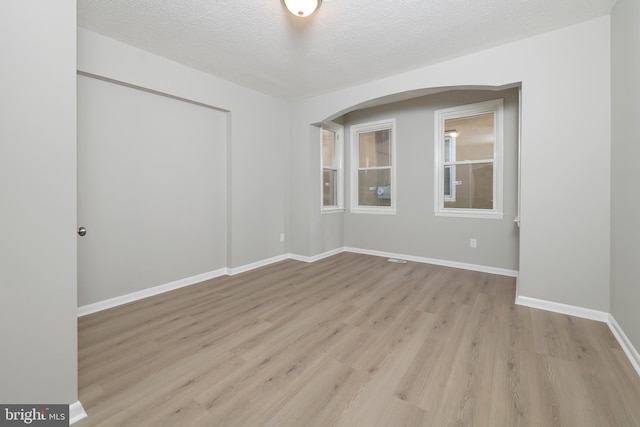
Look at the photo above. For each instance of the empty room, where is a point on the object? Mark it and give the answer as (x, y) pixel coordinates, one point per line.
(319, 213)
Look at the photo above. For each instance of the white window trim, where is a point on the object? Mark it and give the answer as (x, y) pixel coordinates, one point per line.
(338, 152)
(372, 127)
(494, 106)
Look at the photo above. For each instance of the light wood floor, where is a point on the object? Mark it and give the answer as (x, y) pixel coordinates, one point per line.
(351, 340)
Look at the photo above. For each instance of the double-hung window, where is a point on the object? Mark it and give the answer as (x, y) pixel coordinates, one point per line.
(468, 160)
(332, 168)
(373, 187)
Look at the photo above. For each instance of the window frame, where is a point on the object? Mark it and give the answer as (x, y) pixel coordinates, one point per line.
(495, 106)
(338, 161)
(355, 130)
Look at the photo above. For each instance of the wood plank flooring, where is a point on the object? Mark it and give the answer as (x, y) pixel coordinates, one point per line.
(351, 340)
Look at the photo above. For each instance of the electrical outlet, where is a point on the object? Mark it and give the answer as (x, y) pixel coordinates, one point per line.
(282, 237)
(473, 243)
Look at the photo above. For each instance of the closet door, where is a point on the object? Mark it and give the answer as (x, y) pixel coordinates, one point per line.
(151, 190)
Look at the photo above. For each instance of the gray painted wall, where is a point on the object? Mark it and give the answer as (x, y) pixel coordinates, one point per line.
(625, 203)
(415, 230)
(258, 182)
(300, 181)
(38, 328)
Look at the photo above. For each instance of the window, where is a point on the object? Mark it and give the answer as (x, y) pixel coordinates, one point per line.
(373, 167)
(332, 168)
(468, 160)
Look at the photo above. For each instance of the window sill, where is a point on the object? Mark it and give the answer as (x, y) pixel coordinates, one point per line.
(331, 210)
(470, 214)
(373, 211)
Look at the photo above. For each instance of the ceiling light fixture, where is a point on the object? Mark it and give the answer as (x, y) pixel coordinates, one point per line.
(452, 133)
(302, 7)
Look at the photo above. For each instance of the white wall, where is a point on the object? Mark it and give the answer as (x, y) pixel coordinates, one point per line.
(625, 203)
(258, 137)
(414, 229)
(38, 330)
(565, 75)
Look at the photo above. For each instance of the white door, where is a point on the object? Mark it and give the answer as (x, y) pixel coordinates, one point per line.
(152, 190)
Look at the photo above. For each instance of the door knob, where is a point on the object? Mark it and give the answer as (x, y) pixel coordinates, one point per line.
(82, 231)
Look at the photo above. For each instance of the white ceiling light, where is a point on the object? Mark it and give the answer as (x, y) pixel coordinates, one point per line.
(302, 7)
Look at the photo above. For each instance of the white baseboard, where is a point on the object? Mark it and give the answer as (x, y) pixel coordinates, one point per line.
(317, 257)
(257, 264)
(625, 343)
(76, 412)
(444, 263)
(145, 293)
(587, 313)
(556, 307)
(156, 290)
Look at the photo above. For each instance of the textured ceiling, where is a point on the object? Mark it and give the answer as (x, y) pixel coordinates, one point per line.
(260, 45)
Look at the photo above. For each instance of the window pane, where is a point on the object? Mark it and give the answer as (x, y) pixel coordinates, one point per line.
(374, 187)
(473, 187)
(374, 148)
(328, 148)
(474, 137)
(329, 187)
(449, 143)
(449, 177)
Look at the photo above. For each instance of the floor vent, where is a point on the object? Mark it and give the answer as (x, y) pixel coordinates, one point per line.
(396, 260)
